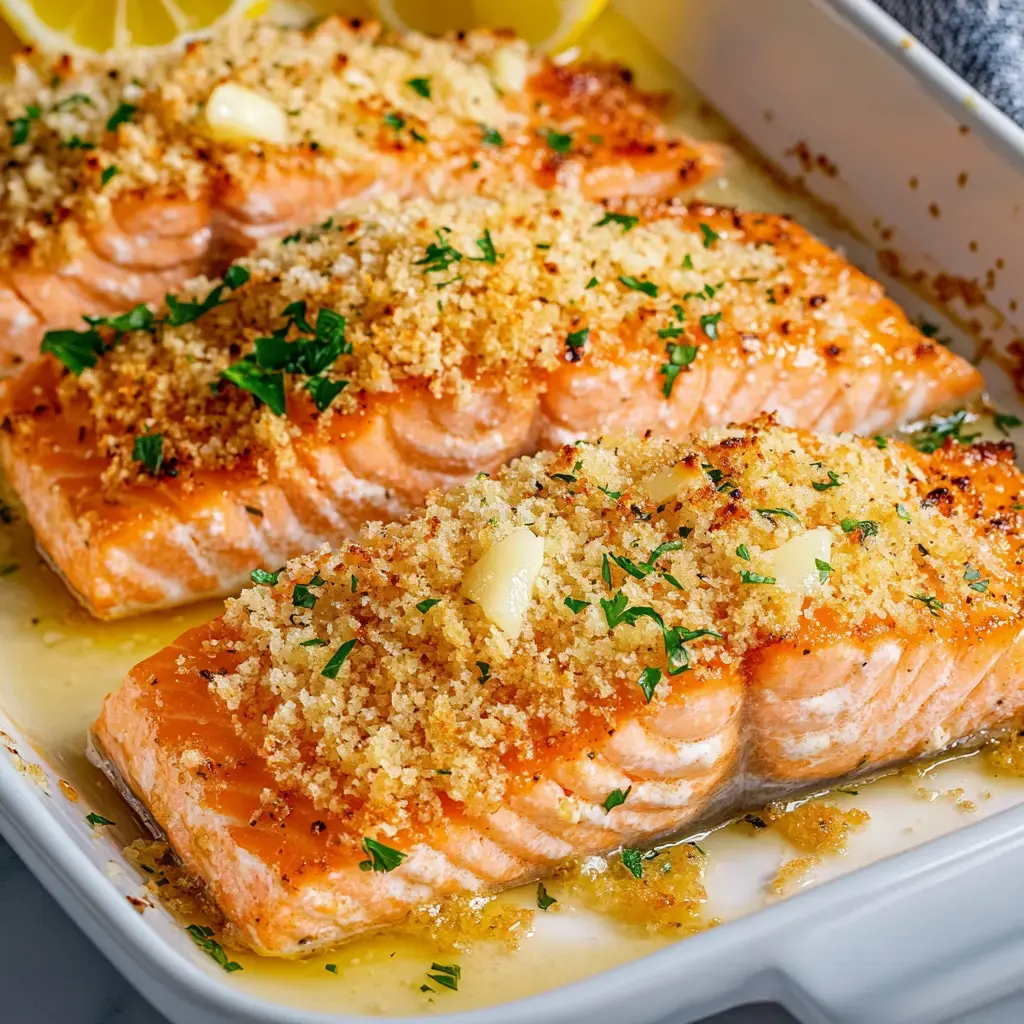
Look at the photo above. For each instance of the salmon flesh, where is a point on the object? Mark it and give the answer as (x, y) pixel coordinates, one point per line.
(596, 648)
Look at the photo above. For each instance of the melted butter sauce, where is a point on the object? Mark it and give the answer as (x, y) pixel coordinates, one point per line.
(58, 663)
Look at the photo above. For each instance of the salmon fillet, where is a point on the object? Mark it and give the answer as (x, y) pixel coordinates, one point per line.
(125, 176)
(599, 647)
(341, 378)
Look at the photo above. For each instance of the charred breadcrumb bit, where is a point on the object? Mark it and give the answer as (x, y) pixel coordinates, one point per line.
(504, 321)
(410, 697)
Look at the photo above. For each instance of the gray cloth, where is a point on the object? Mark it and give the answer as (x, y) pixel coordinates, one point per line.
(981, 40)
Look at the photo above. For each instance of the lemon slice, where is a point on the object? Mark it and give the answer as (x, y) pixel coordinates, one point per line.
(550, 25)
(114, 24)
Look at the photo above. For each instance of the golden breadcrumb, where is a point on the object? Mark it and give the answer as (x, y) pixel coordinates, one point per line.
(434, 699)
(84, 132)
(453, 295)
(817, 826)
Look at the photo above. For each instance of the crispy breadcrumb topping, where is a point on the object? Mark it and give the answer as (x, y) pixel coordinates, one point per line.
(390, 690)
(83, 133)
(453, 295)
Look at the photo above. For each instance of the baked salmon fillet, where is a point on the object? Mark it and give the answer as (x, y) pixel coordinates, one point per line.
(339, 378)
(594, 649)
(125, 176)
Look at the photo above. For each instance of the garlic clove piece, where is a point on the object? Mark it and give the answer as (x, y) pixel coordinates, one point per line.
(502, 581)
(234, 113)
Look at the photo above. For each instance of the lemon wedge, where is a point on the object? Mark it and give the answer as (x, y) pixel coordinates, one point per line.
(550, 25)
(75, 25)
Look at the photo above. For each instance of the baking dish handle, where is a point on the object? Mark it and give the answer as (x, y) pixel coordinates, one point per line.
(930, 945)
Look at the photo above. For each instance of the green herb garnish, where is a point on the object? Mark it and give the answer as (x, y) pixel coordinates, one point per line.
(649, 679)
(867, 527)
(486, 247)
(543, 899)
(747, 576)
(833, 481)
(149, 450)
(973, 577)
(632, 861)
(647, 287)
(558, 141)
(267, 578)
(420, 86)
(108, 173)
(485, 671)
(21, 126)
(333, 666)
(678, 357)
(617, 797)
(708, 235)
(96, 820)
(448, 975)
(426, 604)
(743, 552)
(122, 115)
(203, 938)
(824, 569)
(624, 220)
(380, 857)
(932, 603)
(709, 325)
(491, 136)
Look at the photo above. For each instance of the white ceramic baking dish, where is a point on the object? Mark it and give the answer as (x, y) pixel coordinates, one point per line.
(835, 94)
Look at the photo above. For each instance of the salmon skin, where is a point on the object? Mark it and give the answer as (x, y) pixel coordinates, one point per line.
(597, 648)
(339, 378)
(125, 176)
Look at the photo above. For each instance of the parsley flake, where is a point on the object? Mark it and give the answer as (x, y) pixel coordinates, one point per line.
(96, 820)
(747, 576)
(934, 435)
(769, 512)
(332, 968)
(558, 141)
(824, 569)
(649, 679)
(647, 287)
(708, 235)
(381, 858)
(420, 86)
(833, 481)
(743, 552)
(576, 340)
(973, 578)
(426, 604)
(395, 121)
(337, 659)
(491, 136)
(448, 975)
(902, 513)
(592, 283)
(123, 114)
(543, 899)
(108, 173)
(881, 442)
(149, 450)
(867, 527)
(575, 605)
(616, 797)
(932, 603)
(21, 126)
(439, 255)
(202, 936)
(625, 221)
(709, 325)
(268, 579)
(485, 671)
(679, 356)
(632, 861)
(486, 247)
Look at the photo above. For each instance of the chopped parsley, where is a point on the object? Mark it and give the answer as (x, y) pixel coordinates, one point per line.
(769, 512)
(678, 357)
(973, 578)
(77, 142)
(709, 325)
(932, 603)
(1004, 421)
(933, 435)
(592, 283)
(420, 86)
(747, 576)
(824, 569)
(108, 173)
(491, 136)
(486, 247)
(614, 495)
(743, 552)
(625, 221)
(575, 605)
(543, 899)
(21, 126)
(632, 861)
(559, 141)
(267, 387)
(96, 820)
(576, 340)
(687, 262)
(262, 576)
(395, 121)
(79, 350)
(381, 857)
(649, 679)
(647, 287)
(867, 527)
(186, 312)
(337, 659)
(823, 485)
(485, 671)
(331, 968)
(881, 442)
(202, 936)
(71, 101)
(302, 596)
(439, 255)
(426, 604)
(123, 114)
(616, 797)
(447, 976)
(149, 450)
(708, 235)
(315, 642)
